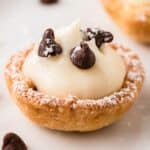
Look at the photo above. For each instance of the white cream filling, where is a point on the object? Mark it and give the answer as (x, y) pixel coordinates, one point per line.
(57, 76)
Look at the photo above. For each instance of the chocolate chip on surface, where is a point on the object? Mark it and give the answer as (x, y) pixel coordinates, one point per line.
(12, 141)
(48, 1)
(48, 46)
(82, 56)
(100, 36)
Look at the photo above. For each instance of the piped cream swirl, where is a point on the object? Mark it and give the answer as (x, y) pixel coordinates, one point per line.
(57, 76)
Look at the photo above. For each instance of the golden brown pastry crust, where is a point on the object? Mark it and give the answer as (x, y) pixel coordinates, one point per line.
(71, 113)
(133, 18)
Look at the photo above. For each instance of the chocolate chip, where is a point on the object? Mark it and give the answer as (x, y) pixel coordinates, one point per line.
(82, 56)
(49, 34)
(42, 49)
(12, 141)
(48, 1)
(46, 50)
(99, 40)
(108, 37)
(100, 36)
(48, 46)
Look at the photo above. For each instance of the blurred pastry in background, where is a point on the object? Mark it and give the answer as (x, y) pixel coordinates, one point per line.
(133, 16)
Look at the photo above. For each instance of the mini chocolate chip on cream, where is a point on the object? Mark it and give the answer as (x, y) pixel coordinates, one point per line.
(100, 36)
(49, 34)
(48, 46)
(82, 56)
(48, 1)
(103, 37)
(12, 141)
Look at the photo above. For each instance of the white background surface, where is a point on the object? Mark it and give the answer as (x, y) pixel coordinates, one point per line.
(21, 23)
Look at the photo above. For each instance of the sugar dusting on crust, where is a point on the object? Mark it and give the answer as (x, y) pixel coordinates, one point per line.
(127, 94)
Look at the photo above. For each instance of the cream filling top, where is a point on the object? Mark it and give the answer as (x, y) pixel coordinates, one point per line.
(57, 76)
